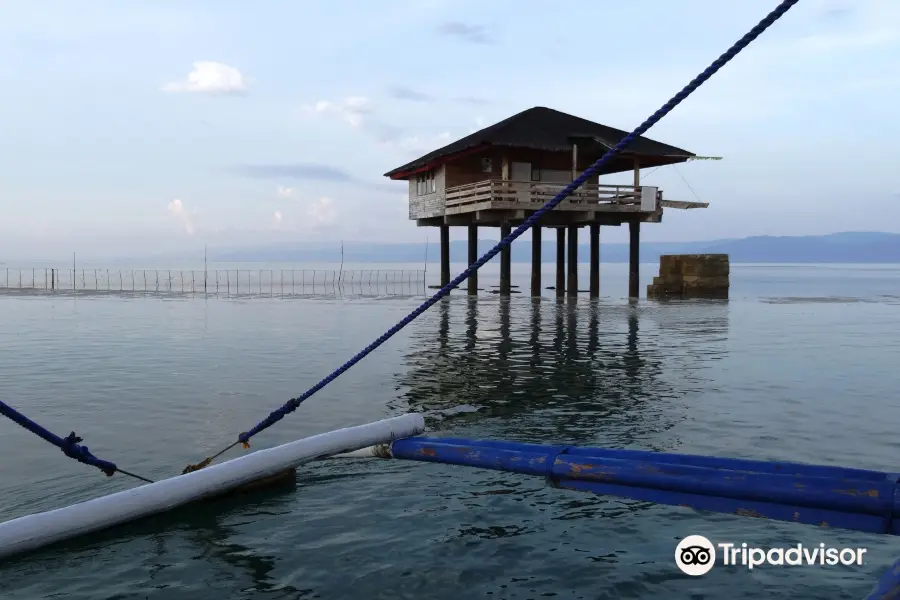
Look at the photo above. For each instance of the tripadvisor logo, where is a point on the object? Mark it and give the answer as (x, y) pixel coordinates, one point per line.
(695, 555)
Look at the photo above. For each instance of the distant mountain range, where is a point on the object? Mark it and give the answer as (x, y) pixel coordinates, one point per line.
(847, 247)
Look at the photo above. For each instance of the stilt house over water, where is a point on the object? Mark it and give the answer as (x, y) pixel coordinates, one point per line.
(500, 175)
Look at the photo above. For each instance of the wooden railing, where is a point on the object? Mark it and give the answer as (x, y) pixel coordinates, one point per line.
(537, 192)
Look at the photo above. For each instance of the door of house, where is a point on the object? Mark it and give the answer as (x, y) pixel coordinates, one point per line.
(520, 174)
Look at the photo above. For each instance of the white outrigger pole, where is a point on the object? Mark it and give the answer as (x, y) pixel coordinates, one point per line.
(35, 531)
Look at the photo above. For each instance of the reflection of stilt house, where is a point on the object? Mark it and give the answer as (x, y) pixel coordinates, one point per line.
(500, 175)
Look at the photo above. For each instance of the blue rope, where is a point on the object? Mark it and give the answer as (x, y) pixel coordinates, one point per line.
(69, 444)
(592, 171)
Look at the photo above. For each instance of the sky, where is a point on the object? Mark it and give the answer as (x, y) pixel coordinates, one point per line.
(164, 125)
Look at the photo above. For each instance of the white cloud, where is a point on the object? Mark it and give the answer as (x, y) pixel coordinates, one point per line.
(419, 145)
(322, 213)
(210, 78)
(860, 26)
(360, 113)
(787, 71)
(315, 217)
(284, 192)
(352, 109)
(186, 219)
(846, 41)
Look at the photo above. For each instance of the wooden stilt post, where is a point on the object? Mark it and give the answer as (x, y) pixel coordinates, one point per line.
(574, 161)
(595, 261)
(473, 256)
(573, 261)
(536, 261)
(634, 259)
(505, 262)
(445, 255)
(634, 231)
(637, 177)
(560, 262)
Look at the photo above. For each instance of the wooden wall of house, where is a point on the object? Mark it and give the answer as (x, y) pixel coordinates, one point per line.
(489, 165)
(471, 168)
(553, 161)
(428, 205)
(562, 161)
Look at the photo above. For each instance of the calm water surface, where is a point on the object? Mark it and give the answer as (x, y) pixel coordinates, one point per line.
(800, 365)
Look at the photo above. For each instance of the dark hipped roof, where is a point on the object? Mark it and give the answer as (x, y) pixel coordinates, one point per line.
(541, 128)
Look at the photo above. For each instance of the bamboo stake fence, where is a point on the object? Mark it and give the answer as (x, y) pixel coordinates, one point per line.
(227, 282)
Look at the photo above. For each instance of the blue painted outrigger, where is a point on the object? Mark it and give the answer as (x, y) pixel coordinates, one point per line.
(856, 499)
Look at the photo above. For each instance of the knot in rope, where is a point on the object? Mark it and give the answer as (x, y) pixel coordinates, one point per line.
(275, 416)
(69, 444)
(71, 448)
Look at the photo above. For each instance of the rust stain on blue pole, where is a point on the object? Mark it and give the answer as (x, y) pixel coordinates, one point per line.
(828, 496)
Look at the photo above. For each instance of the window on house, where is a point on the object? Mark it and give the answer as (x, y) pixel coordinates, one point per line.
(535, 174)
(425, 183)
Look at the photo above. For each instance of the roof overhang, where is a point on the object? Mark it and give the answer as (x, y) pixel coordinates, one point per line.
(587, 143)
(436, 162)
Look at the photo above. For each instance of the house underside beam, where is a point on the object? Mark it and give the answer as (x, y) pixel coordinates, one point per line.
(551, 219)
